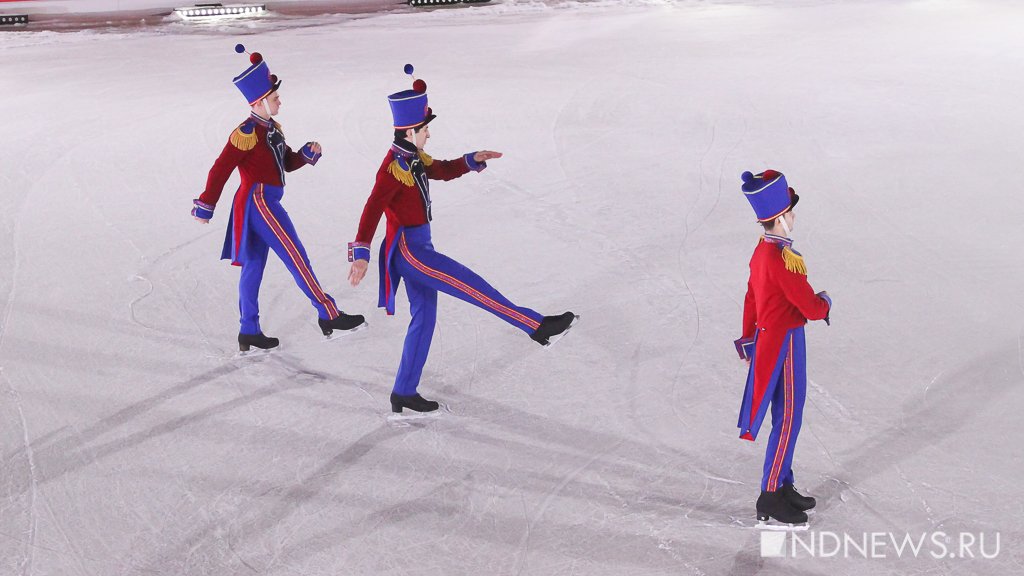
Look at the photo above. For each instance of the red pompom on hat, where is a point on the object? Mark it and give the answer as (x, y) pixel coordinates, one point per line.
(419, 86)
(256, 82)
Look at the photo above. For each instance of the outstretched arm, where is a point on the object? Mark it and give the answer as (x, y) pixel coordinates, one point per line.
(451, 169)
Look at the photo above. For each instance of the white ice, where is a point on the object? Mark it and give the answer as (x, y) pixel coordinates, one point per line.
(136, 443)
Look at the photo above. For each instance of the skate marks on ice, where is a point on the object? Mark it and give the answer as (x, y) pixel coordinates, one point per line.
(53, 457)
(47, 459)
(944, 409)
(597, 469)
(8, 389)
(250, 523)
(146, 273)
(31, 477)
(689, 284)
(552, 470)
(56, 458)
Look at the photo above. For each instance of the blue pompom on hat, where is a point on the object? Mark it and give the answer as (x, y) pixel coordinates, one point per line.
(769, 194)
(256, 82)
(409, 108)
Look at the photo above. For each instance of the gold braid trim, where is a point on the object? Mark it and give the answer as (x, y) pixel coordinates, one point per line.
(794, 262)
(400, 174)
(427, 160)
(243, 141)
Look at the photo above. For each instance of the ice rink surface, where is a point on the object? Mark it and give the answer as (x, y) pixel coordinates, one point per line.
(136, 442)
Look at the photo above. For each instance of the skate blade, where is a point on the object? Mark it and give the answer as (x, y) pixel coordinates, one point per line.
(256, 352)
(780, 527)
(557, 337)
(338, 334)
(407, 417)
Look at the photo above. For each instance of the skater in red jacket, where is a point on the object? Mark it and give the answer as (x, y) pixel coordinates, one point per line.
(779, 302)
(402, 193)
(258, 222)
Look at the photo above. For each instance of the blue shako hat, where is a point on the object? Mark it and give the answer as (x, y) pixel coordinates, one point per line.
(256, 83)
(769, 194)
(409, 108)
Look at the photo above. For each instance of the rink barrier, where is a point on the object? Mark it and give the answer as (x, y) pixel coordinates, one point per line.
(208, 10)
(443, 2)
(13, 19)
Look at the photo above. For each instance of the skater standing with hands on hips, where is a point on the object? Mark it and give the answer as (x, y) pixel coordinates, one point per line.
(402, 191)
(258, 222)
(778, 303)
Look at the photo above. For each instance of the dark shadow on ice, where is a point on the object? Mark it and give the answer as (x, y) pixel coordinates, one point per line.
(952, 401)
(258, 521)
(128, 413)
(57, 459)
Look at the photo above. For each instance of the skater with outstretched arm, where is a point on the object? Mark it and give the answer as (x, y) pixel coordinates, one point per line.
(778, 303)
(402, 191)
(258, 222)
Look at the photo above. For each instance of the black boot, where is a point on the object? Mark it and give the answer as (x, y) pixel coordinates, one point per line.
(796, 499)
(774, 505)
(414, 402)
(552, 327)
(245, 341)
(343, 322)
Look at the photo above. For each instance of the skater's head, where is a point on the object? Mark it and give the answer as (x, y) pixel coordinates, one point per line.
(268, 106)
(411, 113)
(782, 225)
(417, 136)
(257, 84)
(772, 200)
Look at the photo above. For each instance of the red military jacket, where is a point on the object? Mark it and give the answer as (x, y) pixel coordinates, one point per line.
(257, 148)
(778, 294)
(779, 298)
(402, 191)
(396, 194)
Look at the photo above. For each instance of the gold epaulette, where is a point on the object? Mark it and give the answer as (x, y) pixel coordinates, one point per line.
(427, 160)
(794, 261)
(401, 174)
(243, 140)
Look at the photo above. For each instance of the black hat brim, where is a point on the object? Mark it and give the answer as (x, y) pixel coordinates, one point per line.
(425, 121)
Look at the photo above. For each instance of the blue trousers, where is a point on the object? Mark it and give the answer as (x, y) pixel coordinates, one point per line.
(269, 227)
(787, 412)
(427, 272)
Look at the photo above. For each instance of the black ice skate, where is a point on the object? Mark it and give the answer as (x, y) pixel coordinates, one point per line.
(344, 323)
(552, 328)
(796, 499)
(247, 341)
(415, 402)
(775, 513)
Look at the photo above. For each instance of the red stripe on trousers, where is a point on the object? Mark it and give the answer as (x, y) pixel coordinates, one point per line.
(456, 283)
(787, 422)
(289, 246)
